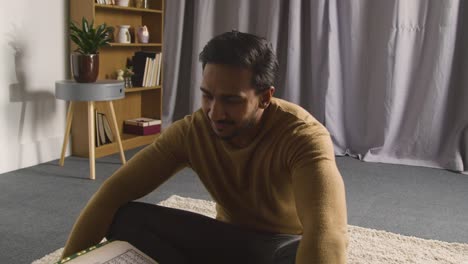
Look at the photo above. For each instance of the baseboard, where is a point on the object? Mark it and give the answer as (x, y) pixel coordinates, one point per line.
(32, 153)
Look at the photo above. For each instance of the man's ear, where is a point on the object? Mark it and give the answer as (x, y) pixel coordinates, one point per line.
(265, 97)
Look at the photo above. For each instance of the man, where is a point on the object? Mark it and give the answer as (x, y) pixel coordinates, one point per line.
(267, 163)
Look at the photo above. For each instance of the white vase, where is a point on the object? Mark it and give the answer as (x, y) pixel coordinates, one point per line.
(122, 2)
(124, 35)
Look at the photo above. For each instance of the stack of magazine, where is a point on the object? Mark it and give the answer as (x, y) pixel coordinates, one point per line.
(142, 126)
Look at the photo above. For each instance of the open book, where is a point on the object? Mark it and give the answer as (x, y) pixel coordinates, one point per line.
(109, 252)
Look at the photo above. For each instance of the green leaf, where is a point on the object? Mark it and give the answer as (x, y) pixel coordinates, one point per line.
(89, 38)
(85, 25)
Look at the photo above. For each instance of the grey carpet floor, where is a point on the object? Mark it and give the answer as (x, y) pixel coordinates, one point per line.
(38, 205)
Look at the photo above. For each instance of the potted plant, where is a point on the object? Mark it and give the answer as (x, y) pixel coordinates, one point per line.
(85, 59)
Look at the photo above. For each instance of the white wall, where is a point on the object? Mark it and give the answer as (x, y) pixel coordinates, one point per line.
(32, 57)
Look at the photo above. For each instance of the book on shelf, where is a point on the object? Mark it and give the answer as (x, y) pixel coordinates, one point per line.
(102, 135)
(107, 129)
(142, 121)
(114, 251)
(145, 74)
(155, 70)
(149, 72)
(103, 132)
(139, 65)
(97, 142)
(146, 68)
(159, 61)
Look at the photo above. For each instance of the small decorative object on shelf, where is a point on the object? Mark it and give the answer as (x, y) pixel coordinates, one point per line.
(143, 34)
(128, 82)
(120, 75)
(142, 126)
(127, 74)
(105, 2)
(121, 2)
(85, 59)
(110, 34)
(124, 34)
(139, 3)
(142, 121)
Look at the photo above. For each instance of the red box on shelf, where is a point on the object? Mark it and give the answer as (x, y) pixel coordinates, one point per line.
(140, 130)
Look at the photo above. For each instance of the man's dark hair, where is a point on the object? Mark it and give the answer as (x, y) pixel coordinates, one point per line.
(244, 50)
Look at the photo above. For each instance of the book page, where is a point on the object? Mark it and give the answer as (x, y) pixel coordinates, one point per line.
(115, 252)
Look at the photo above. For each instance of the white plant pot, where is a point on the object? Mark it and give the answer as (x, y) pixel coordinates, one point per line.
(122, 2)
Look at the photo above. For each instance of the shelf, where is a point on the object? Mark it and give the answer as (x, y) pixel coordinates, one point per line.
(128, 142)
(139, 89)
(115, 44)
(139, 101)
(125, 8)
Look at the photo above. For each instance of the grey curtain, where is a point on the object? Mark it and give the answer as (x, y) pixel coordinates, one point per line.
(387, 78)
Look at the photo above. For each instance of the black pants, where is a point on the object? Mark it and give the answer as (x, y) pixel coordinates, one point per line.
(172, 236)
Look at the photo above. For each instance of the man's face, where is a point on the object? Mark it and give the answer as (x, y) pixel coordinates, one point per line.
(229, 100)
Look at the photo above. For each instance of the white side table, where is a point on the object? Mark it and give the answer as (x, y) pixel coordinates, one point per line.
(90, 92)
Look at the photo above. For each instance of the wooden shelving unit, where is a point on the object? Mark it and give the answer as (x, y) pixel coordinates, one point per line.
(131, 9)
(140, 89)
(138, 101)
(135, 44)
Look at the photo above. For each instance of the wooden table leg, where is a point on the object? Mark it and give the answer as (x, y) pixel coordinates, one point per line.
(67, 133)
(116, 132)
(91, 133)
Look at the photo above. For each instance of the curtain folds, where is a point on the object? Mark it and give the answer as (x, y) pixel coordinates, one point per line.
(387, 78)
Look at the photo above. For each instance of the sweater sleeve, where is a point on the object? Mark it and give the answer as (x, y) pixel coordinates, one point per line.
(147, 170)
(320, 200)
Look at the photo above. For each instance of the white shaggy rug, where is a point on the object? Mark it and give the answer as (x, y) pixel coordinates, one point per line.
(367, 246)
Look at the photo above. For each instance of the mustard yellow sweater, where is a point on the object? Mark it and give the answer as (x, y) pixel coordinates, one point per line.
(285, 181)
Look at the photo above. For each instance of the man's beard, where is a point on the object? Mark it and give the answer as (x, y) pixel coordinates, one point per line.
(238, 132)
(246, 126)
